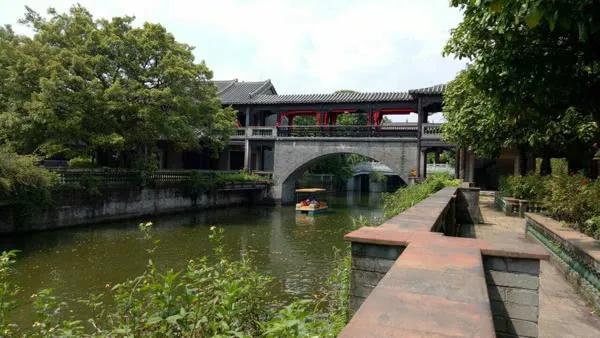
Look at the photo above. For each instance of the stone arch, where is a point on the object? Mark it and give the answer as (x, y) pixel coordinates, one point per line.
(293, 158)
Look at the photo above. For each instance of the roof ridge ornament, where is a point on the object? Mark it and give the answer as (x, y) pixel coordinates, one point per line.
(259, 89)
(233, 82)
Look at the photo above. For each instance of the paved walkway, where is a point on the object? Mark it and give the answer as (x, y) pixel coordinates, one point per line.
(563, 312)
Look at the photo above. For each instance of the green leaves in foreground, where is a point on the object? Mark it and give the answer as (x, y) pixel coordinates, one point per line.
(207, 299)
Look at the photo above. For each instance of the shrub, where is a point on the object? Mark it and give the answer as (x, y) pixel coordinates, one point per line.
(81, 163)
(242, 176)
(575, 200)
(592, 227)
(529, 187)
(377, 176)
(7, 293)
(225, 298)
(404, 198)
(25, 184)
(567, 198)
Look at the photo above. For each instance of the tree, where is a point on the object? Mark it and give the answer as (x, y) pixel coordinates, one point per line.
(533, 78)
(353, 119)
(82, 85)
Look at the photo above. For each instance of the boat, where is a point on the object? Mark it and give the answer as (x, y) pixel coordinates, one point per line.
(308, 203)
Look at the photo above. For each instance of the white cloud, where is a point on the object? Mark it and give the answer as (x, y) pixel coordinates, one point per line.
(304, 46)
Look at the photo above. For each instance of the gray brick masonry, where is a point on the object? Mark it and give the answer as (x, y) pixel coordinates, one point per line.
(516, 311)
(370, 262)
(511, 279)
(514, 296)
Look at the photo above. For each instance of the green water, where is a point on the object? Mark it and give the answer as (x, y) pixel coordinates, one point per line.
(297, 251)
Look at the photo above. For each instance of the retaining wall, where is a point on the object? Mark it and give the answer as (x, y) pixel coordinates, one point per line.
(576, 255)
(117, 204)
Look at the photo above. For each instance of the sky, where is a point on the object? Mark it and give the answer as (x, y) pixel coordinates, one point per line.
(303, 46)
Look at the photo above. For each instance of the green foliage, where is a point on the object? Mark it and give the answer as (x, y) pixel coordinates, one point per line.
(81, 162)
(574, 199)
(199, 183)
(377, 176)
(532, 79)
(218, 299)
(404, 198)
(558, 166)
(241, 176)
(352, 119)
(7, 293)
(362, 221)
(305, 121)
(571, 198)
(338, 165)
(80, 85)
(308, 318)
(448, 157)
(20, 174)
(529, 187)
(592, 227)
(24, 184)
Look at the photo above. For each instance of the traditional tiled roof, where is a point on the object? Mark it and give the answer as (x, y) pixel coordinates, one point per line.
(433, 90)
(263, 92)
(235, 92)
(341, 97)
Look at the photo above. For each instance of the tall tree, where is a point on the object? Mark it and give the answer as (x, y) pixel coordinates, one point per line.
(533, 77)
(82, 85)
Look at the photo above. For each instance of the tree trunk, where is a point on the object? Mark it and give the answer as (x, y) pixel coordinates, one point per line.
(522, 162)
(545, 166)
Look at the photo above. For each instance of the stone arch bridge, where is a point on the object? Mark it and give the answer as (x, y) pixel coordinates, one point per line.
(294, 155)
(284, 134)
(273, 135)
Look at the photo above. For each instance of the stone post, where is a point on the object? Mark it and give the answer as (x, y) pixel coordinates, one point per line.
(470, 167)
(247, 154)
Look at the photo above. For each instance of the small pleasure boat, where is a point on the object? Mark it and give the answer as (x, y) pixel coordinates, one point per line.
(308, 203)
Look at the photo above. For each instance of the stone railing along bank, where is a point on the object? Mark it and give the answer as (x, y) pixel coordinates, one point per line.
(410, 277)
(78, 208)
(511, 206)
(575, 254)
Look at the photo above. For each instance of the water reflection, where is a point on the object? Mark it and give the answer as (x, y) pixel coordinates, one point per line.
(297, 250)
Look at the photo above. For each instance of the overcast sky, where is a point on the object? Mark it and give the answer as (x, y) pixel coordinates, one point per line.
(302, 46)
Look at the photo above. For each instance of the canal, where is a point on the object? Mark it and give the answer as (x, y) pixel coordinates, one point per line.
(297, 251)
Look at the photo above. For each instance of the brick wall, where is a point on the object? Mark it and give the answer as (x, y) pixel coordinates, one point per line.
(370, 262)
(513, 289)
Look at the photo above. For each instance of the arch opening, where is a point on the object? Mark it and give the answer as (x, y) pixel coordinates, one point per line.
(344, 177)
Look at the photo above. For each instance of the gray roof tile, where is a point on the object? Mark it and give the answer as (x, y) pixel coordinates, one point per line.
(433, 90)
(235, 92)
(329, 98)
(263, 92)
